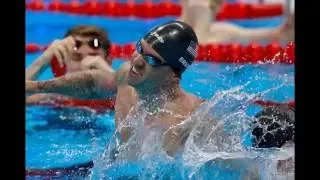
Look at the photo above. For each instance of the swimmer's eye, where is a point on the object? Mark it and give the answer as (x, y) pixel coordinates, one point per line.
(94, 44)
(153, 61)
(77, 45)
(150, 59)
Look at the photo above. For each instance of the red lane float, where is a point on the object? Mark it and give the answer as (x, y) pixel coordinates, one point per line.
(153, 10)
(99, 105)
(263, 10)
(273, 103)
(33, 48)
(56, 69)
(219, 53)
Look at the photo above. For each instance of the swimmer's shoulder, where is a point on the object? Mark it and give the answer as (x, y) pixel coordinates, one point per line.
(193, 101)
(196, 99)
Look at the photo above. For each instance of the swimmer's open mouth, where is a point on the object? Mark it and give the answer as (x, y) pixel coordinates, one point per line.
(134, 71)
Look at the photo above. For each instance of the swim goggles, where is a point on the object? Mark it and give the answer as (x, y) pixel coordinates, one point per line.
(150, 59)
(93, 43)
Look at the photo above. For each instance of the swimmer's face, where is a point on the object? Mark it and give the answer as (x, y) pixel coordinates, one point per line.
(148, 68)
(84, 46)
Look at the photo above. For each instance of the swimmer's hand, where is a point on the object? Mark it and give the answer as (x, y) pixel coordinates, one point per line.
(96, 62)
(61, 49)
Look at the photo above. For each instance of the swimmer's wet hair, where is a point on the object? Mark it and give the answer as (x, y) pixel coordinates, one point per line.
(274, 126)
(91, 31)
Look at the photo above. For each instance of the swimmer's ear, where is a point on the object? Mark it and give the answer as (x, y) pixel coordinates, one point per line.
(176, 78)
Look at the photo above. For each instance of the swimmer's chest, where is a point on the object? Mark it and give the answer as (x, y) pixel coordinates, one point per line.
(170, 116)
(163, 120)
(173, 113)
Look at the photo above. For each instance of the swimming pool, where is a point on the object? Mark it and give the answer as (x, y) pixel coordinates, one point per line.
(51, 141)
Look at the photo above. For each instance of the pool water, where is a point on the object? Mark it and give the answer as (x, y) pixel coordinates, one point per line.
(53, 140)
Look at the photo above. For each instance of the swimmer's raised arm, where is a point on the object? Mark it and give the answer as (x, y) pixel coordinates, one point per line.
(221, 32)
(200, 15)
(88, 84)
(43, 62)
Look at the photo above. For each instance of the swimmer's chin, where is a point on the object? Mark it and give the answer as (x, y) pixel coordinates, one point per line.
(124, 78)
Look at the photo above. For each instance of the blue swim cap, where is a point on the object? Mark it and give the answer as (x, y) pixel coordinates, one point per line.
(176, 42)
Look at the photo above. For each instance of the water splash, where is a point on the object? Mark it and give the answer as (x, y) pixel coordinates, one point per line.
(220, 136)
(215, 143)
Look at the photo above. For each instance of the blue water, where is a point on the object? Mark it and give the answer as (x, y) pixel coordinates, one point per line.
(54, 142)
(38, 24)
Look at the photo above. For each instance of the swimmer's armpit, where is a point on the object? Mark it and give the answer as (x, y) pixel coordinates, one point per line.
(91, 84)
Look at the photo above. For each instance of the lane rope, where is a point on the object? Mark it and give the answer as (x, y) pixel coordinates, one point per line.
(220, 53)
(153, 10)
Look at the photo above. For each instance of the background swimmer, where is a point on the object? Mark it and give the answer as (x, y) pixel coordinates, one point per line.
(200, 15)
(83, 48)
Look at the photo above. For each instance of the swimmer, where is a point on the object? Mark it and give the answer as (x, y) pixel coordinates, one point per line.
(273, 127)
(152, 77)
(83, 48)
(200, 14)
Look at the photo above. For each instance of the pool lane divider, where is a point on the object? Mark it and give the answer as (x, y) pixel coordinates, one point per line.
(253, 53)
(149, 10)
